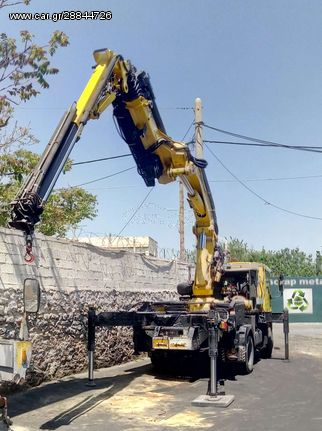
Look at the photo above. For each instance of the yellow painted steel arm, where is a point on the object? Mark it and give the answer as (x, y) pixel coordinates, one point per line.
(116, 82)
(177, 161)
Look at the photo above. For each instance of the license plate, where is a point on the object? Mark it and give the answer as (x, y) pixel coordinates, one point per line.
(160, 343)
(179, 343)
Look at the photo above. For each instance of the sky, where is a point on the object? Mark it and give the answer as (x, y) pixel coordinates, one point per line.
(256, 65)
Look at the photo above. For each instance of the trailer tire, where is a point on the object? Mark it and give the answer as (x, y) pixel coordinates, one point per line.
(159, 362)
(267, 351)
(247, 356)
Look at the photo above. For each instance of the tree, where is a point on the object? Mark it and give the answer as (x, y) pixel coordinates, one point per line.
(24, 68)
(65, 209)
(238, 250)
(285, 261)
(24, 71)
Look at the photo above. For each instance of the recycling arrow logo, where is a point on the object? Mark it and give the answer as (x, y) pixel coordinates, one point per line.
(298, 301)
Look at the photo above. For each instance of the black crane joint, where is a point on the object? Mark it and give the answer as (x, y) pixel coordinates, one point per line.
(26, 212)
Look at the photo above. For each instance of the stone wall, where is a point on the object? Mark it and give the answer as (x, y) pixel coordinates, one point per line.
(74, 276)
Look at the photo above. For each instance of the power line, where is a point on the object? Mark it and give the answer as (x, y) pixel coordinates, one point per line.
(288, 147)
(85, 162)
(103, 178)
(134, 214)
(238, 135)
(262, 142)
(83, 184)
(150, 191)
(52, 108)
(117, 157)
(102, 159)
(268, 179)
(177, 108)
(256, 194)
(188, 130)
(113, 188)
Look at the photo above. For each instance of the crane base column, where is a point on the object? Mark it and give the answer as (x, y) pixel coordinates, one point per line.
(213, 397)
(213, 400)
(91, 346)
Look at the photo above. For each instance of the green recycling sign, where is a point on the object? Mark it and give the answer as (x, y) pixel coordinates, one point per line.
(298, 301)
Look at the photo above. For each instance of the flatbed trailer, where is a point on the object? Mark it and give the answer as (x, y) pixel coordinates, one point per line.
(209, 332)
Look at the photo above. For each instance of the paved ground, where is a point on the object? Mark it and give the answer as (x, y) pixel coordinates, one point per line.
(278, 395)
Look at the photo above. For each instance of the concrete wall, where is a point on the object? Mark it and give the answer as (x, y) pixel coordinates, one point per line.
(74, 276)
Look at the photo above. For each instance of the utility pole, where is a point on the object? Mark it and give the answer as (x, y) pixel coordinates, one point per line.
(198, 154)
(198, 129)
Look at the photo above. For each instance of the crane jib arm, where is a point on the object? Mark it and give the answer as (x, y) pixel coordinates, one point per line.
(116, 82)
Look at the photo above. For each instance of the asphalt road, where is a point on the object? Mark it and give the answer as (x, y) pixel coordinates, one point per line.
(278, 395)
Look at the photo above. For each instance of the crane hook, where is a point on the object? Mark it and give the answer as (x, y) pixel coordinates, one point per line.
(29, 257)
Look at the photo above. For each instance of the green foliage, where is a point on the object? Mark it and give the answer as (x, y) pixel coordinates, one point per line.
(65, 209)
(24, 67)
(24, 70)
(286, 261)
(15, 137)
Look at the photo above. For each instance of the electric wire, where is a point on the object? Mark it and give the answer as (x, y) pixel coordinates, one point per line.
(146, 197)
(258, 195)
(84, 162)
(103, 178)
(188, 130)
(52, 108)
(287, 147)
(102, 159)
(262, 142)
(133, 215)
(221, 181)
(268, 179)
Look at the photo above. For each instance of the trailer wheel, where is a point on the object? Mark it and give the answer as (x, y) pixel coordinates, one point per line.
(247, 356)
(159, 362)
(267, 351)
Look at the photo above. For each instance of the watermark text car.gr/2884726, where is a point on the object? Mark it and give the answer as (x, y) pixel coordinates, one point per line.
(67, 15)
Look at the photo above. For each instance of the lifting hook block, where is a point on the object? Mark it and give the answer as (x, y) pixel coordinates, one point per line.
(29, 257)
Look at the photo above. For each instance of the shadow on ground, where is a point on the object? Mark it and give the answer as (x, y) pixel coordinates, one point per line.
(63, 390)
(106, 387)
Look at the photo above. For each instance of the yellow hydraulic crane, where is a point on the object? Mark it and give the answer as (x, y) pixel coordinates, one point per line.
(116, 82)
(229, 315)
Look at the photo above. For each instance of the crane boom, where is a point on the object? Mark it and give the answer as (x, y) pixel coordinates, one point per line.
(116, 82)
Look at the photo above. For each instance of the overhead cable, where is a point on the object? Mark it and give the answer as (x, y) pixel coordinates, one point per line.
(134, 214)
(102, 159)
(263, 142)
(301, 177)
(85, 162)
(103, 178)
(288, 147)
(146, 197)
(268, 179)
(188, 130)
(258, 195)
